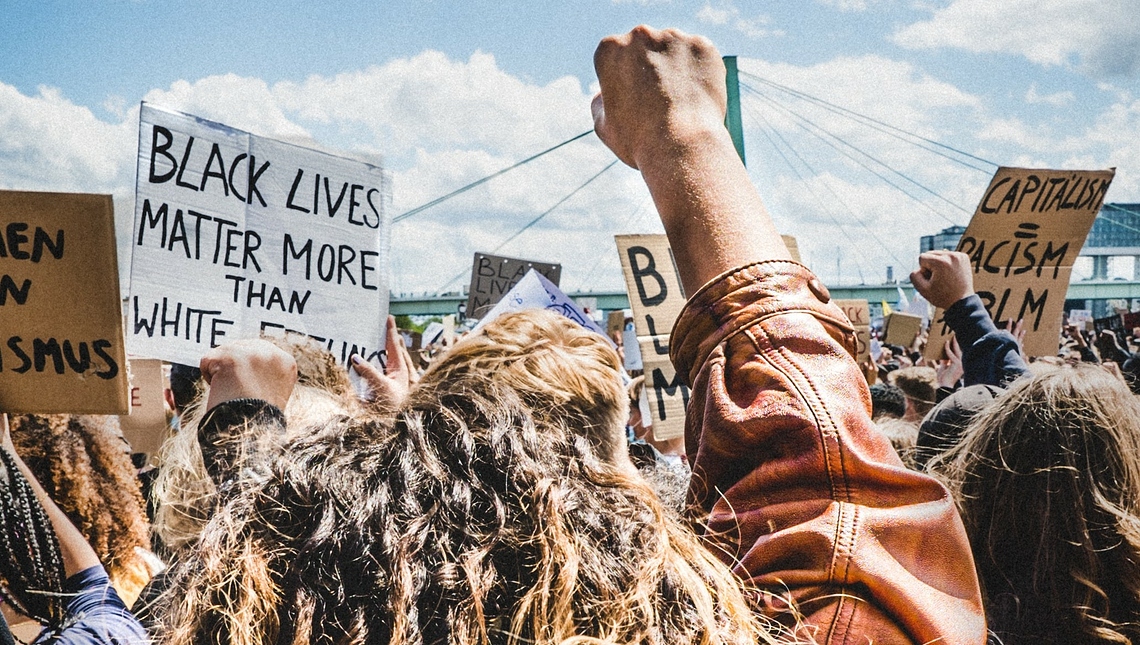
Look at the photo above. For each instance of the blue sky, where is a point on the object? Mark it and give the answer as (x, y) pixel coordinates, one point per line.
(448, 92)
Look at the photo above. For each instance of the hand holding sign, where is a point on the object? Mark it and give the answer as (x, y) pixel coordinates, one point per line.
(390, 387)
(249, 369)
(943, 277)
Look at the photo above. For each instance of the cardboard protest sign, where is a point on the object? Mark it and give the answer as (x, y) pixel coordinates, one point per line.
(492, 276)
(1022, 242)
(145, 427)
(235, 235)
(615, 322)
(1114, 323)
(668, 395)
(901, 329)
(859, 313)
(793, 247)
(61, 337)
(656, 298)
(535, 291)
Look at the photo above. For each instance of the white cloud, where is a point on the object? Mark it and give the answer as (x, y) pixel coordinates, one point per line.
(1056, 99)
(726, 14)
(847, 5)
(1100, 36)
(441, 123)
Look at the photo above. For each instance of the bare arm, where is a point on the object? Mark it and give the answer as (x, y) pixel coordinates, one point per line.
(661, 110)
(77, 553)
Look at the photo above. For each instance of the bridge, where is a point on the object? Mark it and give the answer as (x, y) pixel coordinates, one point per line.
(1093, 291)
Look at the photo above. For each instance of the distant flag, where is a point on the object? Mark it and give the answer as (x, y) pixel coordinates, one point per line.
(919, 307)
(886, 308)
(903, 303)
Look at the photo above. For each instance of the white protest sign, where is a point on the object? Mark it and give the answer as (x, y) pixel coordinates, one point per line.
(632, 349)
(534, 291)
(236, 235)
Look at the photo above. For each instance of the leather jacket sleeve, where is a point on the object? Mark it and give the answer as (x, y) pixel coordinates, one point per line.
(804, 497)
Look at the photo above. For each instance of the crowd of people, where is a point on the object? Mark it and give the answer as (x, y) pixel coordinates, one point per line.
(510, 493)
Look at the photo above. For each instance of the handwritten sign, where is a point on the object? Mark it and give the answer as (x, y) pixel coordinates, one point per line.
(535, 291)
(859, 313)
(668, 396)
(492, 276)
(237, 235)
(656, 297)
(1022, 242)
(145, 428)
(61, 337)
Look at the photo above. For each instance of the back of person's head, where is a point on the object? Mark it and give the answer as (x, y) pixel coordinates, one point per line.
(84, 464)
(919, 385)
(903, 436)
(942, 428)
(185, 382)
(560, 369)
(1048, 482)
(887, 400)
(492, 509)
(184, 493)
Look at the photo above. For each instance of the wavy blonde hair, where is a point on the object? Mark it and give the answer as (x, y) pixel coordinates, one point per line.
(184, 495)
(1048, 482)
(495, 508)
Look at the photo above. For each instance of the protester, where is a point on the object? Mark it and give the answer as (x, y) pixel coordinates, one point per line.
(83, 462)
(918, 385)
(498, 505)
(1048, 482)
(49, 570)
(990, 357)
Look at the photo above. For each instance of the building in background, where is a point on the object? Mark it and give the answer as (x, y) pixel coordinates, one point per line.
(945, 240)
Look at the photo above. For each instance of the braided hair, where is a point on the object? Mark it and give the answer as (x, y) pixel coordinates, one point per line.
(31, 565)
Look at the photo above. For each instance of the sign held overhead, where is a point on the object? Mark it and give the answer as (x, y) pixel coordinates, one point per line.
(1022, 242)
(61, 341)
(237, 235)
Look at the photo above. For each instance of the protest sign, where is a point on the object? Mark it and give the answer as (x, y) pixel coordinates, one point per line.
(615, 322)
(1082, 318)
(236, 235)
(632, 350)
(1022, 242)
(492, 276)
(901, 329)
(1114, 323)
(145, 427)
(61, 342)
(1131, 321)
(668, 395)
(656, 298)
(793, 247)
(535, 291)
(859, 313)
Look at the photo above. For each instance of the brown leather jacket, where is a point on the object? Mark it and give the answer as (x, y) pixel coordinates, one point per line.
(804, 496)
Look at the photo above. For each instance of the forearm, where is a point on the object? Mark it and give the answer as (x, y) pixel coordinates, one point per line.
(76, 552)
(713, 215)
